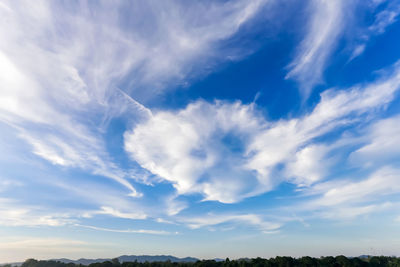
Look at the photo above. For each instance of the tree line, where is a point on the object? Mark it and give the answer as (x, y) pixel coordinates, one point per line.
(338, 261)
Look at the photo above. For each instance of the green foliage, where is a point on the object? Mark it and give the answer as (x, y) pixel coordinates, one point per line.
(338, 261)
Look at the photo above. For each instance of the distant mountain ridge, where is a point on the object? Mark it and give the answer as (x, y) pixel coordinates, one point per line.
(128, 258)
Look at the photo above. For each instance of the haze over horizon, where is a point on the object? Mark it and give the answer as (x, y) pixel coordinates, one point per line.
(209, 129)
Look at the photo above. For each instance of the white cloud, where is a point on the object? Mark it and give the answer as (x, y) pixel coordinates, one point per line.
(195, 152)
(352, 211)
(25, 106)
(326, 22)
(173, 205)
(382, 19)
(119, 214)
(382, 144)
(213, 220)
(385, 18)
(279, 142)
(309, 165)
(227, 151)
(358, 50)
(382, 182)
(14, 214)
(129, 231)
(353, 197)
(86, 152)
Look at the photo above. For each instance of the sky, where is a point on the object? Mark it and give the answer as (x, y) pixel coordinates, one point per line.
(209, 129)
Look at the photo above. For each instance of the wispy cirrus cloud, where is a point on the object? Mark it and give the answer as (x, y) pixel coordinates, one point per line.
(13, 213)
(382, 19)
(374, 152)
(380, 146)
(325, 25)
(328, 23)
(381, 182)
(385, 17)
(127, 231)
(119, 214)
(250, 219)
(353, 197)
(16, 214)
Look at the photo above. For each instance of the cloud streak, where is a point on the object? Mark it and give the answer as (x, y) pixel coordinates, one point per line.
(14, 214)
(250, 219)
(383, 19)
(325, 25)
(128, 231)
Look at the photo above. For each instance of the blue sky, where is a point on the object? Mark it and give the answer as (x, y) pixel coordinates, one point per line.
(199, 128)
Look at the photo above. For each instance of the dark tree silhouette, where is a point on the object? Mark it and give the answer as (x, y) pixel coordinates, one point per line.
(338, 261)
